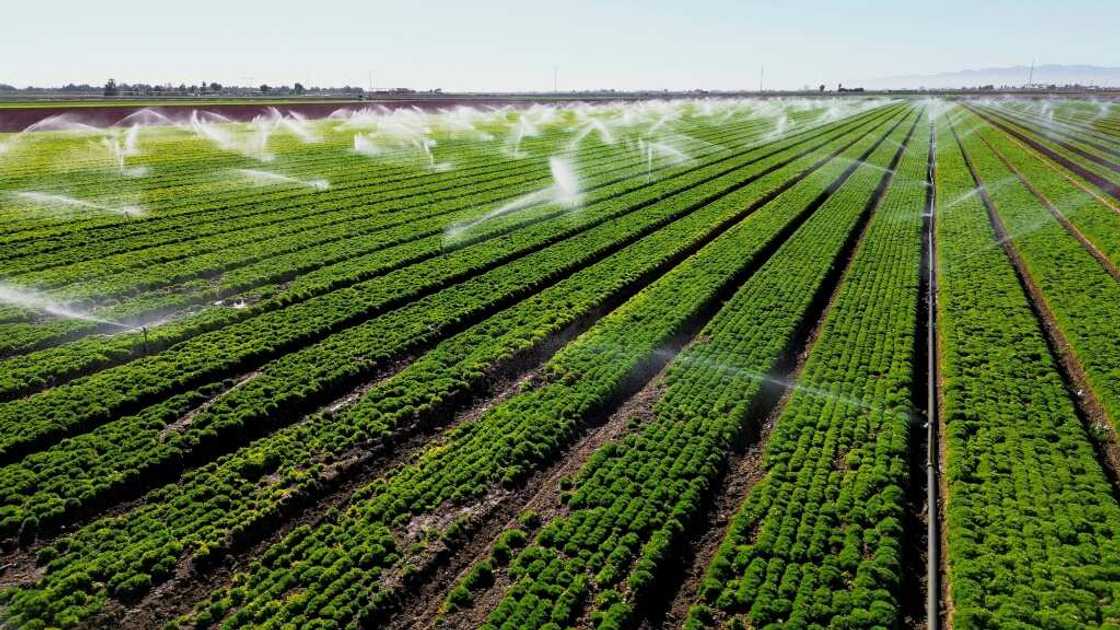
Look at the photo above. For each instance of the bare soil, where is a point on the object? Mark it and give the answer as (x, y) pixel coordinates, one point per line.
(542, 495)
(350, 472)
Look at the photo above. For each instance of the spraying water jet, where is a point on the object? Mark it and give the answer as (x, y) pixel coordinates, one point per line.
(62, 201)
(35, 301)
(565, 192)
(264, 178)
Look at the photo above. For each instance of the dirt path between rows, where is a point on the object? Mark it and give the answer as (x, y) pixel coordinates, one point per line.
(542, 496)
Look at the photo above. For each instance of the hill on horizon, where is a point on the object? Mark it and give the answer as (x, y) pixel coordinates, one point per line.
(1006, 76)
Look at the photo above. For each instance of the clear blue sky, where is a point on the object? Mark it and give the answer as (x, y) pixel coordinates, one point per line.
(488, 44)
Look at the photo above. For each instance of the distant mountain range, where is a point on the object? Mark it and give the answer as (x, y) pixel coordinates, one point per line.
(1011, 76)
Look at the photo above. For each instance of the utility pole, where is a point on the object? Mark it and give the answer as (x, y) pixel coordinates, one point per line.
(555, 79)
(761, 75)
(371, 80)
(1030, 77)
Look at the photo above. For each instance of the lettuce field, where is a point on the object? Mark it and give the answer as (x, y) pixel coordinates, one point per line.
(838, 362)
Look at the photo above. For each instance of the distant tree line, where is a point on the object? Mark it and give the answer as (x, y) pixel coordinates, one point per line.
(203, 88)
(213, 88)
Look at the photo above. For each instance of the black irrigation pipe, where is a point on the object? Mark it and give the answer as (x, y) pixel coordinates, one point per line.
(933, 513)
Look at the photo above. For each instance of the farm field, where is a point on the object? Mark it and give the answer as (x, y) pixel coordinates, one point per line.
(802, 362)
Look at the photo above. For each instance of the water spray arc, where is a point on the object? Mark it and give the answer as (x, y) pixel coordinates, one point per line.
(591, 126)
(264, 178)
(122, 146)
(651, 149)
(35, 301)
(564, 192)
(50, 200)
(524, 128)
(252, 142)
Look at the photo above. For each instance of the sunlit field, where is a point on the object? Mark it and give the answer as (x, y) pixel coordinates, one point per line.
(635, 364)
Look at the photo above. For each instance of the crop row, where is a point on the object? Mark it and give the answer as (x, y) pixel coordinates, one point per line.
(367, 190)
(324, 251)
(196, 205)
(500, 449)
(47, 157)
(244, 270)
(176, 149)
(310, 375)
(1094, 120)
(1089, 174)
(1087, 120)
(385, 171)
(631, 506)
(108, 276)
(1090, 215)
(246, 491)
(1033, 527)
(309, 286)
(1095, 169)
(184, 159)
(1075, 288)
(312, 247)
(1068, 142)
(465, 174)
(1101, 143)
(169, 151)
(1083, 143)
(336, 206)
(1093, 116)
(221, 273)
(300, 204)
(196, 201)
(819, 539)
(312, 285)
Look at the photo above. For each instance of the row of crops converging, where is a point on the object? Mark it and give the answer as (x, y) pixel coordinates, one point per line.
(837, 362)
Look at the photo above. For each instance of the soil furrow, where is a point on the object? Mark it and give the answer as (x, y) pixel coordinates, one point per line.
(1058, 215)
(1102, 435)
(1098, 181)
(541, 495)
(669, 606)
(444, 564)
